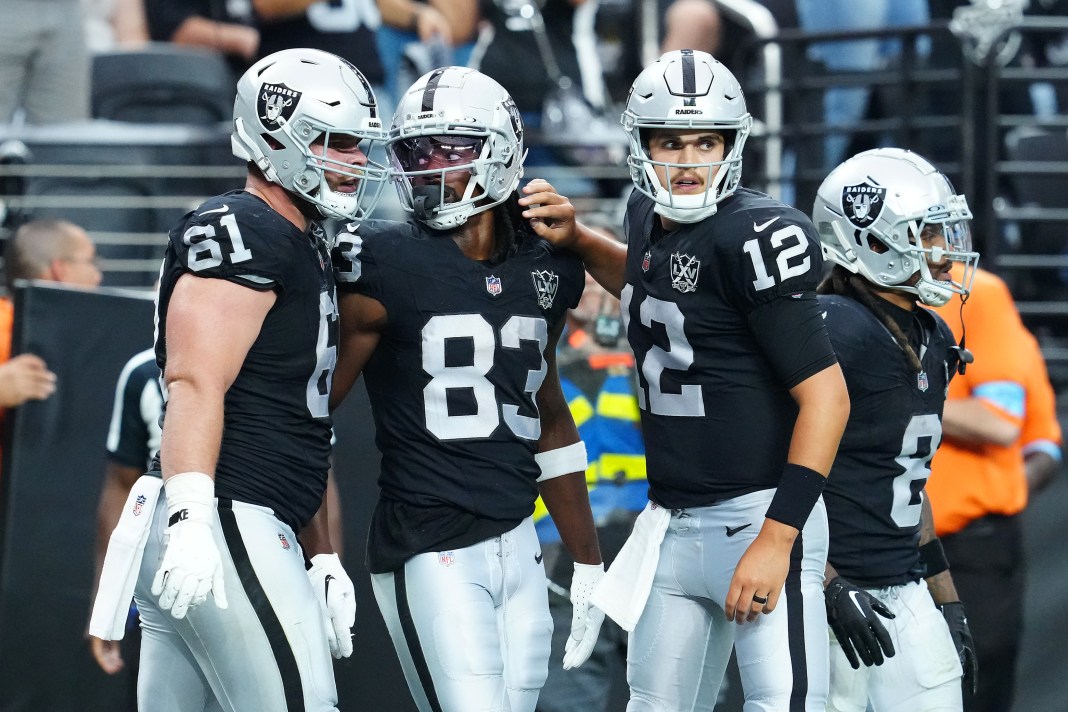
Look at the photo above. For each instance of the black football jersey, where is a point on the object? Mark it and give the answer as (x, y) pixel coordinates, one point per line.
(277, 428)
(717, 415)
(895, 425)
(452, 382)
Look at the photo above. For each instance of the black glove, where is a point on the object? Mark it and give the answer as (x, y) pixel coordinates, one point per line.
(962, 639)
(851, 613)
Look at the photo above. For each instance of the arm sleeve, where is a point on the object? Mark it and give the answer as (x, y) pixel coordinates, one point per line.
(236, 246)
(793, 336)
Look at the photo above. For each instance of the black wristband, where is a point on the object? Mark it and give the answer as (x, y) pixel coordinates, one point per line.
(799, 489)
(933, 557)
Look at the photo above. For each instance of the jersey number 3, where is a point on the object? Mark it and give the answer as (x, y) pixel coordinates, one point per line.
(472, 377)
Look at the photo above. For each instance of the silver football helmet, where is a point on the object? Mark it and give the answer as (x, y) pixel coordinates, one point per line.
(686, 90)
(871, 212)
(290, 106)
(455, 119)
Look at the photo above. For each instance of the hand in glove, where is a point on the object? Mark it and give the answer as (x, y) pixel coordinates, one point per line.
(851, 614)
(586, 619)
(191, 566)
(962, 639)
(337, 598)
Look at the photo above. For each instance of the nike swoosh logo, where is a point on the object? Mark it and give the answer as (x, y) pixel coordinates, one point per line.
(735, 530)
(853, 598)
(538, 557)
(761, 228)
(326, 588)
(223, 209)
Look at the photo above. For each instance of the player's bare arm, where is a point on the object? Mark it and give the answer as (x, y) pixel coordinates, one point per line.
(823, 403)
(566, 497)
(201, 366)
(361, 322)
(118, 479)
(553, 217)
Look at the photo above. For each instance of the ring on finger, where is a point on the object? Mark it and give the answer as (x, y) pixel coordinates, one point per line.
(762, 600)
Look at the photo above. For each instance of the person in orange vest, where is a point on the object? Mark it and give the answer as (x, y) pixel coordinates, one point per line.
(978, 485)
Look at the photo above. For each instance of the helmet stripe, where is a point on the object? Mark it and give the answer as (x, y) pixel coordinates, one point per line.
(689, 78)
(431, 88)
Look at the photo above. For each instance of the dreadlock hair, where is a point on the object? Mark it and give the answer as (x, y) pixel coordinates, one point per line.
(844, 283)
(510, 228)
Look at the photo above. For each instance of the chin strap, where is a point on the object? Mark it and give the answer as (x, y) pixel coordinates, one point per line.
(425, 198)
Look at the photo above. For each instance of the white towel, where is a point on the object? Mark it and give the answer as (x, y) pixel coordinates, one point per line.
(123, 560)
(623, 591)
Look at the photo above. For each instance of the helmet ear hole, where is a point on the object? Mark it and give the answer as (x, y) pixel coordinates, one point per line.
(272, 142)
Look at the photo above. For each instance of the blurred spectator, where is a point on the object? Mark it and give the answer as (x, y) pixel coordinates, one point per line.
(424, 33)
(597, 377)
(52, 250)
(226, 27)
(114, 24)
(342, 27)
(44, 62)
(845, 106)
(978, 485)
(692, 24)
(536, 53)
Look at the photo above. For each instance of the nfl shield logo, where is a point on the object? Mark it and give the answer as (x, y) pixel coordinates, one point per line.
(863, 203)
(284, 542)
(447, 558)
(684, 272)
(647, 260)
(545, 284)
(921, 381)
(276, 104)
(139, 505)
(493, 286)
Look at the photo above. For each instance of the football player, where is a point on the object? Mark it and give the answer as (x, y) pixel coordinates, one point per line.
(742, 403)
(247, 335)
(453, 319)
(893, 226)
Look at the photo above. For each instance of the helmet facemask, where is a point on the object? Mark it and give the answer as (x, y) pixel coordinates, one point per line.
(686, 208)
(313, 183)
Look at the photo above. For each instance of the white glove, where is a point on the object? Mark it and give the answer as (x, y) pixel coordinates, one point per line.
(191, 566)
(337, 598)
(586, 619)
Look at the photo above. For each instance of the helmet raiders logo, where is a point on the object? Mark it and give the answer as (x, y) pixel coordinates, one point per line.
(515, 116)
(684, 272)
(863, 203)
(545, 284)
(276, 105)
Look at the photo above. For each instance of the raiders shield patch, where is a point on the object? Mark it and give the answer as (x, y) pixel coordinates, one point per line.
(863, 203)
(545, 284)
(276, 105)
(684, 272)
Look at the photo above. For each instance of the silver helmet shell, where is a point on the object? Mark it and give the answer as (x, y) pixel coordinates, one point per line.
(686, 90)
(466, 104)
(292, 99)
(871, 211)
